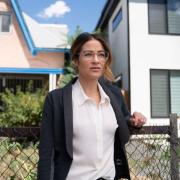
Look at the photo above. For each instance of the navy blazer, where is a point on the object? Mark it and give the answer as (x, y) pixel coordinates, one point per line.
(56, 147)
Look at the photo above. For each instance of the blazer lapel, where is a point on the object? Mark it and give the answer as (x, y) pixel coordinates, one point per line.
(68, 118)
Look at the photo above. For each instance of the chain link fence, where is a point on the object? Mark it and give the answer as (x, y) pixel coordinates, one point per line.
(149, 157)
(18, 153)
(153, 153)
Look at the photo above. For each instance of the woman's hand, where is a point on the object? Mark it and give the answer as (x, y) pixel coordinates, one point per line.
(138, 119)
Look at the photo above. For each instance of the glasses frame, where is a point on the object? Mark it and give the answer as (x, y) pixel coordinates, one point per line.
(82, 53)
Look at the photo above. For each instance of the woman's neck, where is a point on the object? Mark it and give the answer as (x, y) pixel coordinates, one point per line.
(90, 88)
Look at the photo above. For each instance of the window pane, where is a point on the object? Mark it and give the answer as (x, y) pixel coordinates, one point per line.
(5, 20)
(174, 16)
(157, 16)
(117, 19)
(0, 23)
(6, 23)
(159, 93)
(175, 92)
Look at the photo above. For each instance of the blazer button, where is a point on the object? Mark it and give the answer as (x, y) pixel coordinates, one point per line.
(118, 162)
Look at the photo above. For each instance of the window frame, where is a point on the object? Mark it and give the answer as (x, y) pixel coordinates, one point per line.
(9, 13)
(114, 26)
(160, 117)
(169, 91)
(166, 20)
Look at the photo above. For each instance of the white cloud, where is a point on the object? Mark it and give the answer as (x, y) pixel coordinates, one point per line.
(58, 9)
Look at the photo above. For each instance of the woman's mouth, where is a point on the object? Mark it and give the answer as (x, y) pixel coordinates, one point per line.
(95, 68)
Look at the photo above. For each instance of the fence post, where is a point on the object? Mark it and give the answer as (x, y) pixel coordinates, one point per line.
(174, 147)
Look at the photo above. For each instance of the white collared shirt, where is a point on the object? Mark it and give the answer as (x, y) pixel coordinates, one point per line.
(93, 136)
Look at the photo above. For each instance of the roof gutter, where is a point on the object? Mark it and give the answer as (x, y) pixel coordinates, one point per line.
(63, 50)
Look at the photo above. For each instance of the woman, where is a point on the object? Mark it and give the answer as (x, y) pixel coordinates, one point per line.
(86, 124)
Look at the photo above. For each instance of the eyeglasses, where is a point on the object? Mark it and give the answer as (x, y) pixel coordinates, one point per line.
(89, 55)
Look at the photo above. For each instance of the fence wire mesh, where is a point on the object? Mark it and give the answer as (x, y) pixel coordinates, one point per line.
(149, 155)
(154, 154)
(18, 154)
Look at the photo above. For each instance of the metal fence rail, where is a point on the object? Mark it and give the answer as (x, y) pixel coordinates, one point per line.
(153, 153)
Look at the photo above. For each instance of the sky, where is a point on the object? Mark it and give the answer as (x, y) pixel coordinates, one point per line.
(73, 13)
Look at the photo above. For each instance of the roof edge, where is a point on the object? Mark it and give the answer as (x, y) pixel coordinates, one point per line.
(107, 11)
(32, 48)
(23, 26)
(64, 50)
(29, 70)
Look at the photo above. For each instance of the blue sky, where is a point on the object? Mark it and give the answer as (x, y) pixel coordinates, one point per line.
(84, 13)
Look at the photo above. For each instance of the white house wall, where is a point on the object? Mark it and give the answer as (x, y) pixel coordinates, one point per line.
(119, 43)
(147, 52)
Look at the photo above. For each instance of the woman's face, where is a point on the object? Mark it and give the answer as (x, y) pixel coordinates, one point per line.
(92, 59)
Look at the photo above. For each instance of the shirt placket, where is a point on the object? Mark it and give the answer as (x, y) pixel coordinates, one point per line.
(99, 132)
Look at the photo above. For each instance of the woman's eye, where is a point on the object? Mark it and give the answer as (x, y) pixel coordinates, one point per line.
(88, 54)
(101, 55)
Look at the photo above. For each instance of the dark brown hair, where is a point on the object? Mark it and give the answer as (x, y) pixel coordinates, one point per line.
(81, 40)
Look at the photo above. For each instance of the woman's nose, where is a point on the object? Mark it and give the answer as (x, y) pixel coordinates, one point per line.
(95, 58)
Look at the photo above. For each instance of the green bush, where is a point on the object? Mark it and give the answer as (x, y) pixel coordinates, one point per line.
(22, 108)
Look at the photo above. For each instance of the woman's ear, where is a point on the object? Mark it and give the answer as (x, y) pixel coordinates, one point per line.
(75, 65)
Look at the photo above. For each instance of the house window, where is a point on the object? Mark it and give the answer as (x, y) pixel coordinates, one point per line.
(5, 21)
(23, 81)
(165, 93)
(164, 16)
(117, 19)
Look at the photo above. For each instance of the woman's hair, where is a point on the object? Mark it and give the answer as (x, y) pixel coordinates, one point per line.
(81, 40)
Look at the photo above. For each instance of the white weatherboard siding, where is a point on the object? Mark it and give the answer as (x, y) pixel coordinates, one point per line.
(147, 52)
(118, 40)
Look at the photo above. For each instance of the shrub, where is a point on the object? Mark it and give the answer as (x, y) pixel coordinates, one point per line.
(22, 108)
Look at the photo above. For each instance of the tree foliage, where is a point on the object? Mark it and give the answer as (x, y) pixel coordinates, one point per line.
(69, 72)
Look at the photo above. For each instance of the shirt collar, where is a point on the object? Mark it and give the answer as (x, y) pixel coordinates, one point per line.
(82, 97)
(104, 96)
(79, 93)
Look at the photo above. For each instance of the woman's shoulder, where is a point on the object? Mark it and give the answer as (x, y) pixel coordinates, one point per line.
(55, 92)
(59, 91)
(112, 86)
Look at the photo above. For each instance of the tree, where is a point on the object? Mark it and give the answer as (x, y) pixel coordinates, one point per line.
(69, 72)
(71, 38)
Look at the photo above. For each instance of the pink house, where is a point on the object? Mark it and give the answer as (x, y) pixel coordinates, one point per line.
(29, 50)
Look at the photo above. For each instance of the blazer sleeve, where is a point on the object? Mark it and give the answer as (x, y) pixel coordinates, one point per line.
(124, 109)
(126, 113)
(46, 146)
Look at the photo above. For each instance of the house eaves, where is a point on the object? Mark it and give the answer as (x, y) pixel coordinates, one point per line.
(107, 11)
(27, 35)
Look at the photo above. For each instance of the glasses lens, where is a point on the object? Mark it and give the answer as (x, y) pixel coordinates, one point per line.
(89, 55)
